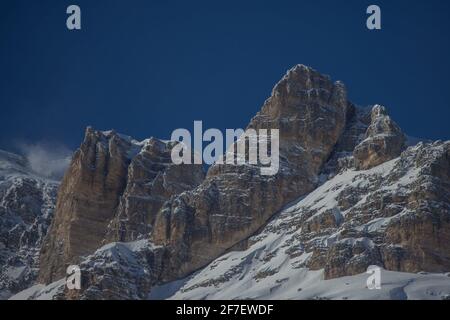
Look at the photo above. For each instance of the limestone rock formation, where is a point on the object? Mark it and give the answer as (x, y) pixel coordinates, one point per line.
(395, 216)
(152, 179)
(347, 195)
(112, 190)
(235, 201)
(87, 199)
(128, 271)
(384, 141)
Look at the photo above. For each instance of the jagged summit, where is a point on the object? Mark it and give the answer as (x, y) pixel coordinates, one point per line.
(360, 198)
(303, 69)
(384, 140)
(109, 192)
(303, 80)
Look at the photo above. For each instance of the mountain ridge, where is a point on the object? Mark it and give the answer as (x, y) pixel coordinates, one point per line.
(133, 221)
(26, 209)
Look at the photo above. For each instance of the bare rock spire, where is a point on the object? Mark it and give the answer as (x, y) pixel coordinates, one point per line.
(383, 141)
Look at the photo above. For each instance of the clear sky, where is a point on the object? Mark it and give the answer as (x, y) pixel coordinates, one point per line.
(146, 67)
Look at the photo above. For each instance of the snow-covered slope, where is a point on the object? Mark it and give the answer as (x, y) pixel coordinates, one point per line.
(343, 212)
(304, 285)
(287, 284)
(316, 248)
(26, 208)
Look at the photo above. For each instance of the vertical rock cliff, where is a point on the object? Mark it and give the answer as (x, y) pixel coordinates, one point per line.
(383, 141)
(111, 191)
(235, 201)
(348, 194)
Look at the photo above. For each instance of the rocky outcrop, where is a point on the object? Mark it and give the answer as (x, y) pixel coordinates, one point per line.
(419, 240)
(152, 180)
(116, 271)
(87, 200)
(394, 215)
(111, 191)
(115, 187)
(27, 202)
(128, 271)
(384, 141)
(347, 195)
(235, 201)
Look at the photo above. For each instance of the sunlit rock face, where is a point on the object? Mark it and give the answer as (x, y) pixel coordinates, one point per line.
(384, 141)
(310, 112)
(115, 187)
(348, 194)
(87, 199)
(111, 192)
(395, 215)
(152, 179)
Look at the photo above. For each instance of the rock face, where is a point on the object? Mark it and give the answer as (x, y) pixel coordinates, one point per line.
(112, 190)
(116, 271)
(87, 199)
(152, 179)
(341, 159)
(384, 141)
(420, 240)
(26, 208)
(136, 262)
(108, 194)
(235, 201)
(347, 195)
(395, 215)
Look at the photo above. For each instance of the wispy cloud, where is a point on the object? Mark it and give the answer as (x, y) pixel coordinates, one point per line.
(47, 159)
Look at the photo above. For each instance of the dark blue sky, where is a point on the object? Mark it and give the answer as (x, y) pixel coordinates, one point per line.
(147, 67)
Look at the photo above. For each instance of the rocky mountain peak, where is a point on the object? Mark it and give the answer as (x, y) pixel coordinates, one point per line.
(347, 195)
(302, 87)
(309, 110)
(119, 189)
(381, 123)
(384, 140)
(111, 191)
(395, 215)
(378, 111)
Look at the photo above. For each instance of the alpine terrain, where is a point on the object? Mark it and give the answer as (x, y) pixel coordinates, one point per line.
(352, 192)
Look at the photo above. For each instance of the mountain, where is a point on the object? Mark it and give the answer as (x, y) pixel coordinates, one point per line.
(111, 192)
(349, 194)
(26, 208)
(394, 215)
